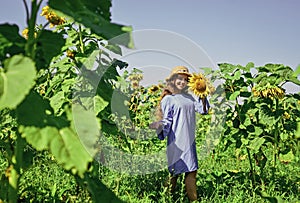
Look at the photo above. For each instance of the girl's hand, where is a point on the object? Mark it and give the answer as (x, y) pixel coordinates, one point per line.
(155, 125)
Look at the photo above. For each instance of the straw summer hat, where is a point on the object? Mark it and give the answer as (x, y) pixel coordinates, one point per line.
(179, 70)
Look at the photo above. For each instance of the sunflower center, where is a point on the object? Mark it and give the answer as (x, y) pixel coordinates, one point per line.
(201, 86)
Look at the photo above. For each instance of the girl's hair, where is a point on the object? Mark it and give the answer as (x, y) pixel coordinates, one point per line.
(170, 89)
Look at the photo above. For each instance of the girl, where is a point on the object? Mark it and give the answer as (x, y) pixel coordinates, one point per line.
(177, 122)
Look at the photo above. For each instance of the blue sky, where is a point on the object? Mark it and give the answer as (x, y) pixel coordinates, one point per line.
(231, 31)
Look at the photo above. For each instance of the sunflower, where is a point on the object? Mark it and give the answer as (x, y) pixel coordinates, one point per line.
(52, 17)
(199, 85)
(153, 88)
(268, 91)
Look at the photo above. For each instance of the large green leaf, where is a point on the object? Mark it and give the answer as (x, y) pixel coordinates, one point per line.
(69, 151)
(63, 143)
(49, 44)
(11, 42)
(39, 138)
(87, 127)
(36, 111)
(16, 80)
(94, 14)
(70, 139)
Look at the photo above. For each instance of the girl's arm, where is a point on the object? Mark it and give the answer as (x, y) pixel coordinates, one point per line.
(202, 105)
(164, 126)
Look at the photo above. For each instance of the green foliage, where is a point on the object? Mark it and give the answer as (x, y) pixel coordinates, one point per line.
(54, 101)
(96, 16)
(11, 43)
(46, 49)
(46, 181)
(44, 79)
(263, 121)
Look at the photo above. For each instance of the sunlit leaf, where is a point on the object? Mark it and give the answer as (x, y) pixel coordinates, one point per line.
(16, 80)
(286, 158)
(71, 140)
(256, 144)
(234, 95)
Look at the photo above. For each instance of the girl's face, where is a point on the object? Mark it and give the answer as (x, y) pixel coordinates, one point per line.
(181, 82)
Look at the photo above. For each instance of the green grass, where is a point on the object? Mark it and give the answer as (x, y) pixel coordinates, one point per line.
(222, 178)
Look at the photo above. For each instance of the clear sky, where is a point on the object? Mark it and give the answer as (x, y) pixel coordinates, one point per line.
(232, 31)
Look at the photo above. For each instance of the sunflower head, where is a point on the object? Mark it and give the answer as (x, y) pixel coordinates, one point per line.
(199, 85)
(52, 17)
(268, 91)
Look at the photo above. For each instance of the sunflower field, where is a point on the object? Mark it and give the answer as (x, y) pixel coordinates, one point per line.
(74, 129)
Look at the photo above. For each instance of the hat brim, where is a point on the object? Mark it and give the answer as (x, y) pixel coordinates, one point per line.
(182, 73)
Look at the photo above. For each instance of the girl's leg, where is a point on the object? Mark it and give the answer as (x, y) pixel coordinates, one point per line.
(171, 183)
(190, 185)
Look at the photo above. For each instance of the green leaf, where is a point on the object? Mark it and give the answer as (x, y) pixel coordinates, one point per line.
(294, 80)
(87, 127)
(237, 75)
(258, 130)
(36, 111)
(99, 104)
(39, 138)
(297, 71)
(16, 81)
(297, 135)
(266, 116)
(261, 77)
(11, 43)
(49, 44)
(241, 126)
(244, 141)
(113, 48)
(71, 142)
(63, 144)
(284, 136)
(249, 66)
(272, 68)
(207, 70)
(234, 95)
(272, 199)
(286, 158)
(69, 151)
(256, 144)
(57, 101)
(293, 76)
(247, 121)
(227, 68)
(99, 191)
(94, 15)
